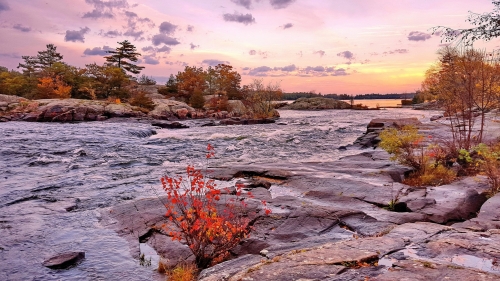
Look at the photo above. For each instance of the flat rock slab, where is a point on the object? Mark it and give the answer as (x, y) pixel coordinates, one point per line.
(457, 201)
(64, 260)
(425, 271)
(488, 217)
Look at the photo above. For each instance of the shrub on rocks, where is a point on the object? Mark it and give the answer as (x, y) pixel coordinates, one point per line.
(210, 223)
(141, 100)
(429, 164)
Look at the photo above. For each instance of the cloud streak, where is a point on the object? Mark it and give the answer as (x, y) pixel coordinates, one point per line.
(110, 33)
(76, 35)
(97, 51)
(4, 6)
(244, 3)
(213, 62)
(151, 60)
(97, 14)
(21, 28)
(418, 36)
(281, 4)
(167, 28)
(293, 70)
(245, 19)
(321, 53)
(159, 39)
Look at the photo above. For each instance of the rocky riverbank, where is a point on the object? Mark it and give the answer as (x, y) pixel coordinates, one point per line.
(335, 224)
(14, 108)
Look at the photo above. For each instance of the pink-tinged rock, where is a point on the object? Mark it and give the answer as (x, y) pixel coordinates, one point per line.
(181, 113)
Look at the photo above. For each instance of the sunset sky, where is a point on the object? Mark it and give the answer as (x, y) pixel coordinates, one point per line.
(330, 46)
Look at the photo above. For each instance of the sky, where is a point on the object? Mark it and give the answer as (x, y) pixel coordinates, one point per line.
(326, 46)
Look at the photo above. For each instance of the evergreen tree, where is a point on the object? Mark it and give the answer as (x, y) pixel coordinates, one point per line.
(48, 57)
(29, 66)
(123, 57)
(44, 59)
(171, 84)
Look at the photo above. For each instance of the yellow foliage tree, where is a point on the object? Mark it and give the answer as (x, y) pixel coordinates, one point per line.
(465, 80)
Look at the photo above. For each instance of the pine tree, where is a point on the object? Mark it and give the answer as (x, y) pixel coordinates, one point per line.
(29, 66)
(171, 84)
(48, 57)
(122, 55)
(44, 59)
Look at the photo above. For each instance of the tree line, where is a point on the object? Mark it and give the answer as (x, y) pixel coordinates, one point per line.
(312, 94)
(46, 75)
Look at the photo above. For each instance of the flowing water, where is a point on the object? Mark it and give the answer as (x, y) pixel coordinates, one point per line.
(56, 179)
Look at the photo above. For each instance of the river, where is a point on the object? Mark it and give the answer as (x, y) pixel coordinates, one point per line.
(56, 179)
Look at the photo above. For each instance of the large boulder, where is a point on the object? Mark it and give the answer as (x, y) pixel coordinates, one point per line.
(67, 110)
(166, 109)
(121, 110)
(6, 100)
(237, 107)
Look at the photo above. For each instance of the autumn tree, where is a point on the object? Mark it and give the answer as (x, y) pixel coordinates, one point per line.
(197, 100)
(124, 56)
(70, 75)
(464, 80)
(227, 81)
(105, 81)
(15, 83)
(49, 87)
(260, 97)
(190, 79)
(210, 78)
(486, 27)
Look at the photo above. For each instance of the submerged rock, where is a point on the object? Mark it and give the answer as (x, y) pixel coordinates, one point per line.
(64, 260)
(172, 125)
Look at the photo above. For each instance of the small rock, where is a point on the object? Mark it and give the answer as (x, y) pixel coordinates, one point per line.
(436, 117)
(228, 190)
(209, 124)
(182, 113)
(264, 253)
(173, 125)
(64, 260)
(260, 183)
(101, 118)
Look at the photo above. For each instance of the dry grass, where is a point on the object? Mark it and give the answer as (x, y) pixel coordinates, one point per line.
(431, 176)
(182, 272)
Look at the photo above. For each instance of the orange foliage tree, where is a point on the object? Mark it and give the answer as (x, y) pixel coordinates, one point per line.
(52, 88)
(191, 79)
(211, 224)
